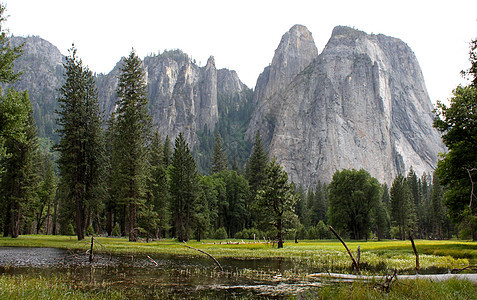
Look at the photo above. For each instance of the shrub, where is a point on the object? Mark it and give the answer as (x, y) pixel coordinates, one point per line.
(116, 230)
(220, 234)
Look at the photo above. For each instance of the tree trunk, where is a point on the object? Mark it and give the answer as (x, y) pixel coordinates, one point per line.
(15, 220)
(280, 233)
(109, 221)
(7, 229)
(79, 218)
(54, 230)
(132, 223)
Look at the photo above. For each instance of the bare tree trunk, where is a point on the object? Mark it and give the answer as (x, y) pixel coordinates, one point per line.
(280, 233)
(7, 229)
(54, 230)
(15, 220)
(132, 223)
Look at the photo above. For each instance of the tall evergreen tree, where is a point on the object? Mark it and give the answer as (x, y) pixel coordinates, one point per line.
(19, 183)
(184, 188)
(158, 185)
(277, 199)
(167, 156)
(133, 125)
(81, 161)
(403, 215)
(255, 172)
(219, 159)
(12, 115)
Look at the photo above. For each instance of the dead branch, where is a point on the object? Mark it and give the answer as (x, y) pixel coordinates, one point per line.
(153, 261)
(355, 264)
(472, 196)
(415, 251)
(456, 271)
(218, 264)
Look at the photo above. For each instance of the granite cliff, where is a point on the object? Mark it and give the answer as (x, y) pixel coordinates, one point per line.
(362, 103)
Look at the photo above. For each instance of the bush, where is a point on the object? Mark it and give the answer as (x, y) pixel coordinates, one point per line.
(89, 230)
(70, 230)
(116, 230)
(220, 234)
(249, 234)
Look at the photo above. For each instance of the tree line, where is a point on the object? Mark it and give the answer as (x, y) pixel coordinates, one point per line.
(120, 177)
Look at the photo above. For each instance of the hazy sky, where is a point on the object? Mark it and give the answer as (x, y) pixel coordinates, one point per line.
(243, 35)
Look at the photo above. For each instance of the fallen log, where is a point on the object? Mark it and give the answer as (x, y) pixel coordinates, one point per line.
(366, 278)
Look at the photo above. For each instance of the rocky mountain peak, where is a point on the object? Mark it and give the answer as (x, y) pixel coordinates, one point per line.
(361, 104)
(295, 52)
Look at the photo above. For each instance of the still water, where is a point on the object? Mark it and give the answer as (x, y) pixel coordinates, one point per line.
(184, 277)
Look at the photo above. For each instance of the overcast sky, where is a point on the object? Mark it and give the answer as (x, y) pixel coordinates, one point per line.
(243, 35)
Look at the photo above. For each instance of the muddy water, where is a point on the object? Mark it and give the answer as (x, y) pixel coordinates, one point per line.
(184, 277)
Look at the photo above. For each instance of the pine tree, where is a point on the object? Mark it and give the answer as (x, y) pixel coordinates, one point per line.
(158, 185)
(81, 148)
(12, 116)
(46, 193)
(184, 188)
(20, 180)
(255, 172)
(403, 215)
(219, 159)
(276, 199)
(167, 156)
(133, 125)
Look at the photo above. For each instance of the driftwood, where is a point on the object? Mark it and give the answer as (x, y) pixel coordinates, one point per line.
(355, 264)
(202, 251)
(364, 278)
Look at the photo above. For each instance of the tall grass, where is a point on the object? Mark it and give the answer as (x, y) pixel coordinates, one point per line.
(30, 287)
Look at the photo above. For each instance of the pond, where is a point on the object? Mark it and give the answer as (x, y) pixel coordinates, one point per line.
(183, 277)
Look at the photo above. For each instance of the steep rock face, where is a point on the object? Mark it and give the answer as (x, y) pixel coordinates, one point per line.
(295, 52)
(362, 104)
(183, 96)
(42, 67)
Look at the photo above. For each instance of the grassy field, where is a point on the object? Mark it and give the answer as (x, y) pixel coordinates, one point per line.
(389, 254)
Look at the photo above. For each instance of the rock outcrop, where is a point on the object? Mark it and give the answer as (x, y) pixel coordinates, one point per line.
(182, 95)
(361, 104)
(42, 75)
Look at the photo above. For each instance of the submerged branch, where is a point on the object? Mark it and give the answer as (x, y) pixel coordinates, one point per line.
(218, 264)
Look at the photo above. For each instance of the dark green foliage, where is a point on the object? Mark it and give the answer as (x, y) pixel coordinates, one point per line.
(129, 154)
(158, 186)
(403, 211)
(232, 206)
(184, 189)
(457, 170)
(81, 148)
(20, 180)
(12, 116)
(255, 173)
(234, 116)
(220, 234)
(352, 196)
(276, 200)
(45, 194)
(219, 160)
